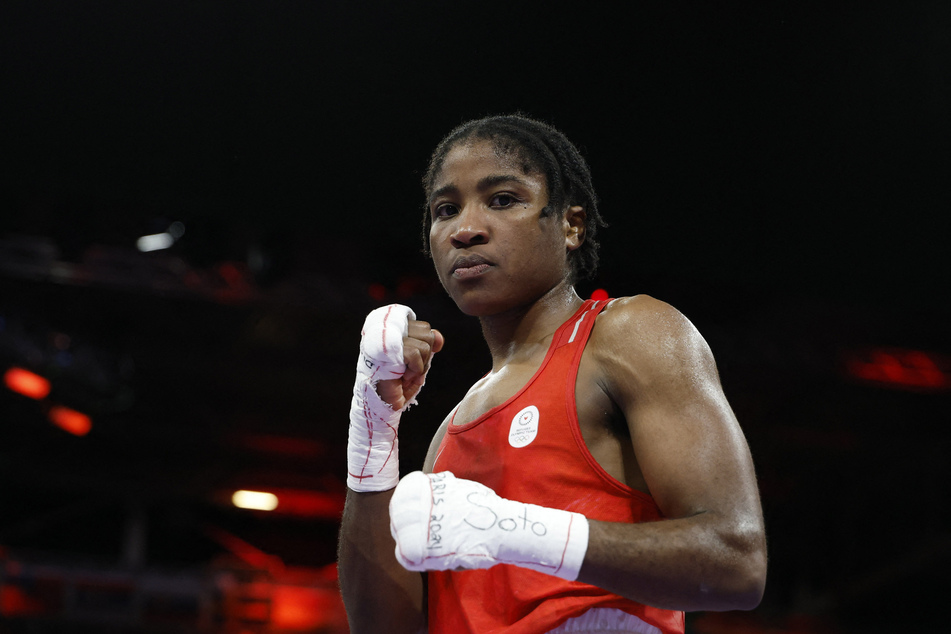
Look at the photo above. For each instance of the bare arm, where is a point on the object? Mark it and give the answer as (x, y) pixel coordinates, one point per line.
(374, 586)
(379, 593)
(710, 551)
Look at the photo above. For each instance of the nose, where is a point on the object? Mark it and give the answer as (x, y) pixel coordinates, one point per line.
(470, 229)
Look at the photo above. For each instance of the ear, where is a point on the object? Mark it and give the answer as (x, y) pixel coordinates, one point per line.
(574, 227)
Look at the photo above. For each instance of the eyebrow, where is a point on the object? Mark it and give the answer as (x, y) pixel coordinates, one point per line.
(484, 183)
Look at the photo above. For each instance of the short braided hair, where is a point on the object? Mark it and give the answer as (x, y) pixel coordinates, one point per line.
(541, 149)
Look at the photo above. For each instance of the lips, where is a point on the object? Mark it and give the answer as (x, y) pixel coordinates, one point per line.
(469, 266)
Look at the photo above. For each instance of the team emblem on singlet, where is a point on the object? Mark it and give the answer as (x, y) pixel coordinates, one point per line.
(524, 427)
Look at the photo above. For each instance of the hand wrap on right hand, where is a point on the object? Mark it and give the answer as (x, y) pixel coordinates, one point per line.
(441, 522)
(373, 450)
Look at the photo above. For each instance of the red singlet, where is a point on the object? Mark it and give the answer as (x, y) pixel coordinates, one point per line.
(530, 449)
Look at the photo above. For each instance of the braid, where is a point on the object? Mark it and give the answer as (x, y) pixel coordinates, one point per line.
(541, 149)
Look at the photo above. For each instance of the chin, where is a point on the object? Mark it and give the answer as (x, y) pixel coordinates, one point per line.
(473, 306)
(473, 309)
(484, 305)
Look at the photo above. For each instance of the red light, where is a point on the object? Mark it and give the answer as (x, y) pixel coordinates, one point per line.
(294, 502)
(234, 276)
(259, 611)
(19, 601)
(900, 368)
(69, 420)
(309, 503)
(410, 285)
(304, 609)
(26, 383)
(377, 292)
(249, 554)
(599, 294)
(298, 447)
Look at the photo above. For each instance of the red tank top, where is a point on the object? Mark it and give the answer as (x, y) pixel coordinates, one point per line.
(530, 449)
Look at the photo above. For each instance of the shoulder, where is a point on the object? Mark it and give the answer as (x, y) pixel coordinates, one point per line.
(646, 340)
(639, 311)
(646, 324)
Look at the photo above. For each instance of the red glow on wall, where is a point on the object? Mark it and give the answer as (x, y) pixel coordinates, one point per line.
(285, 445)
(297, 502)
(235, 275)
(15, 601)
(900, 368)
(301, 608)
(599, 294)
(248, 553)
(377, 291)
(311, 504)
(26, 383)
(70, 420)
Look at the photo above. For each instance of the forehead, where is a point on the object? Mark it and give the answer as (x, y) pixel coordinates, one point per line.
(481, 156)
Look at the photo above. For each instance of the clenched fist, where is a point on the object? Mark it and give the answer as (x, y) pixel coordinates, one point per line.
(420, 343)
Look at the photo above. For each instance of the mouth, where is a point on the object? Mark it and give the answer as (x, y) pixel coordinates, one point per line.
(466, 267)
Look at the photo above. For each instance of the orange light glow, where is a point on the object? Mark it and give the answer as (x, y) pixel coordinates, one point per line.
(295, 502)
(599, 294)
(304, 609)
(254, 500)
(69, 420)
(26, 383)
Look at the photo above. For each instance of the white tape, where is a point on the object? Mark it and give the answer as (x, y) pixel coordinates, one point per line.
(373, 450)
(441, 522)
(381, 342)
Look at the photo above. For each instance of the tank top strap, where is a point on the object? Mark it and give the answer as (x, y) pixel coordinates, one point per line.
(579, 326)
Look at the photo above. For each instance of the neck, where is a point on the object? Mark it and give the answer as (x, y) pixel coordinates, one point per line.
(522, 329)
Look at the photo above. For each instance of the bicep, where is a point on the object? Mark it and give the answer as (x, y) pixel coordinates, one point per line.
(686, 438)
(692, 451)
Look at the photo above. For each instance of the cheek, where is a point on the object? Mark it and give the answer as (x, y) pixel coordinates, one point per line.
(538, 254)
(550, 243)
(434, 240)
(436, 253)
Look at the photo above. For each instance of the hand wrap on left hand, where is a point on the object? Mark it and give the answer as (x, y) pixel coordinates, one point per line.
(441, 522)
(373, 447)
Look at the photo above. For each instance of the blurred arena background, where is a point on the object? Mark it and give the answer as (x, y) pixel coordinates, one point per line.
(202, 200)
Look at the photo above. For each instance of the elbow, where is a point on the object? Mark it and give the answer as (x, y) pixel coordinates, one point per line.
(743, 575)
(748, 579)
(751, 585)
(741, 587)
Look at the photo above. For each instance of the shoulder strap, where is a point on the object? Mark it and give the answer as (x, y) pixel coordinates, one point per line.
(579, 326)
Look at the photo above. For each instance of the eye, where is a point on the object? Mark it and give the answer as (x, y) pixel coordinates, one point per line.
(445, 210)
(503, 200)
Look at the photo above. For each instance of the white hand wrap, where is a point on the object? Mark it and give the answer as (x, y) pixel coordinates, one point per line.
(441, 522)
(373, 452)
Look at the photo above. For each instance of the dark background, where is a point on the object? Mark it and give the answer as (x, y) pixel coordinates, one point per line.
(778, 173)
